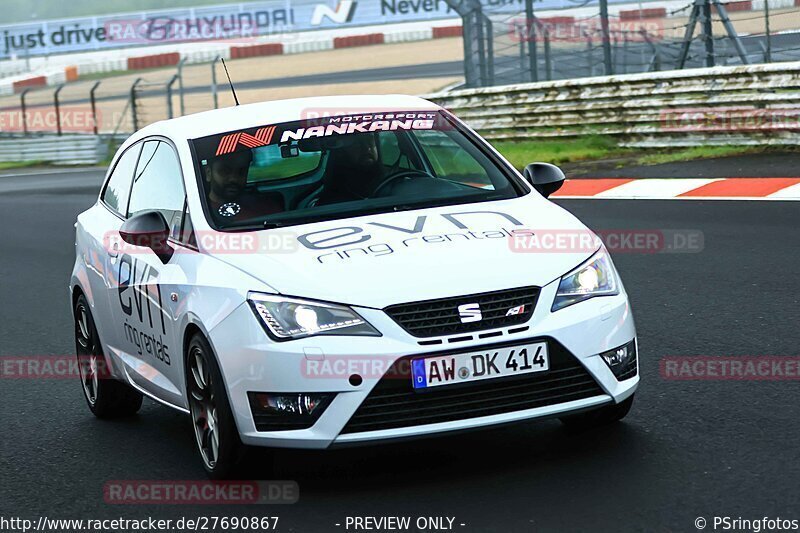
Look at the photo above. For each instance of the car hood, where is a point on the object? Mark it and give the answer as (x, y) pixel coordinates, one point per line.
(380, 260)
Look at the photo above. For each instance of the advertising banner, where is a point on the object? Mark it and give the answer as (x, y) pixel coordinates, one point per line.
(231, 22)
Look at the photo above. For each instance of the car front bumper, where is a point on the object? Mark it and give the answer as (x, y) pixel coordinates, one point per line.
(251, 362)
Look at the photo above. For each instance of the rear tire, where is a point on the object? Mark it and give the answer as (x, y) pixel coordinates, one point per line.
(105, 396)
(216, 435)
(599, 417)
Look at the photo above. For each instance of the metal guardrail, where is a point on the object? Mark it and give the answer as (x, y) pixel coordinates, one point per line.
(744, 105)
(747, 105)
(61, 150)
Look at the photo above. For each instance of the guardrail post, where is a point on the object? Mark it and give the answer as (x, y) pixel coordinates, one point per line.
(614, 40)
(522, 35)
(134, 110)
(171, 82)
(93, 103)
(481, 47)
(489, 49)
(548, 63)
(708, 32)
(180, 85)
(530, 20)
(589, 53)
(469, 52)
(625, 53)
(24, 111)
(609, 68)
(767, 33)
(58, 108)
(214, 92)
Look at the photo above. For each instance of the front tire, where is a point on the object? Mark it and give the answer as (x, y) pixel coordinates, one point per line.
(215, 431)
(599, 417)
(105, 396)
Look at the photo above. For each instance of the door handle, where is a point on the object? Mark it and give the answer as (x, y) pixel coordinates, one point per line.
(114, 253)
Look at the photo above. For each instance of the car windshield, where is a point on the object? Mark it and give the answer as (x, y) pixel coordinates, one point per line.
(344, 166)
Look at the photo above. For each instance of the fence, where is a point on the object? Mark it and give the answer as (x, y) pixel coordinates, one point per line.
(744, 105)
(504, 47)
(113, 105)
(173, 84)
(752, 104)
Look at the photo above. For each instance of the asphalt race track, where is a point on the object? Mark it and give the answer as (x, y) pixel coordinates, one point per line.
(688, 448)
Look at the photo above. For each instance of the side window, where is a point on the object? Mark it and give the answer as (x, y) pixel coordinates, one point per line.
(157, 183)
(449, 162)
(119, 184)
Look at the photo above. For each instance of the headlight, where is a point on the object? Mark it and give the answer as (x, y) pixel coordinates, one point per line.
(291, 318)
(595, 277)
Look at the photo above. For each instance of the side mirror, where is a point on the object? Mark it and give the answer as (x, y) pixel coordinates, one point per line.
(544, 177)
(148, 230)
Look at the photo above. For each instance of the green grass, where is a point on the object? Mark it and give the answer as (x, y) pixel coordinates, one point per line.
(695, 152)
(595, 147)
(8, 165)
(560, 151)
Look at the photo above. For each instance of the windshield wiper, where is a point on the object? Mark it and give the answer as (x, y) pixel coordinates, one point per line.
(407, 207)
(258, 226)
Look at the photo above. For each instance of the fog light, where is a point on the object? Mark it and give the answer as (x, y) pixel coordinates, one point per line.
(289, 404)
(622, 360)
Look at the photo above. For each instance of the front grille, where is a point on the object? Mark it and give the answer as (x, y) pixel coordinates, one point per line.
(394, 403)
(432, 318)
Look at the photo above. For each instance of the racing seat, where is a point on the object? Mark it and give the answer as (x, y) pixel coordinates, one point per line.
(341, 182)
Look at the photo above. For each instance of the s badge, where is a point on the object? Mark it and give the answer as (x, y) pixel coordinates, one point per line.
(470, 313)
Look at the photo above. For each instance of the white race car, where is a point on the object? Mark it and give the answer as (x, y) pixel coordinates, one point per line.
(322, 272)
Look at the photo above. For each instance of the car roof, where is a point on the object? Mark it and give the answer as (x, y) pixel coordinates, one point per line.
(274, 112)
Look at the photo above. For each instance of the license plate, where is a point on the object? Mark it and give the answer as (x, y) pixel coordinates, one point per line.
(479, 365)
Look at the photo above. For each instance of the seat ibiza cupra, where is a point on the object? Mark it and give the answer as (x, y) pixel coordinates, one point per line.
(322, 272)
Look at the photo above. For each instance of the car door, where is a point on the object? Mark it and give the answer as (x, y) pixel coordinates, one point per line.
(143, 306)
(97, 239)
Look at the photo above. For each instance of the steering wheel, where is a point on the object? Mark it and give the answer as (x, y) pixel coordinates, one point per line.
(395, 177)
